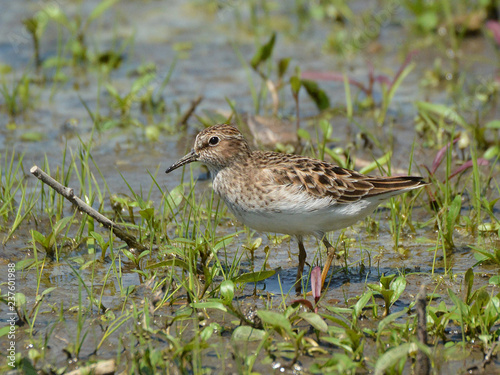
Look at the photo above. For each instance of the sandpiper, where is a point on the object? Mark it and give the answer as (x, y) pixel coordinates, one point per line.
(289, 194)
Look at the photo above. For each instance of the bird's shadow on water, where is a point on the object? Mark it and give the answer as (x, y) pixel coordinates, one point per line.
(283, 281)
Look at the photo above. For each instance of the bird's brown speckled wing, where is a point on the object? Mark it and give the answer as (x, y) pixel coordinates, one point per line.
(321, 179)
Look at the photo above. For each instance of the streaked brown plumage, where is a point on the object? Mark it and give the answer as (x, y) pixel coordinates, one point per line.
(290, 194)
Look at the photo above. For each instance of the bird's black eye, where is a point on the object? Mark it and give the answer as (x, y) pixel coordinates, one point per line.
(213, 141)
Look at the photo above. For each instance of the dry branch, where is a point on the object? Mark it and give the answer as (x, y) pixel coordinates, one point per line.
(69, 194)
(185, 117)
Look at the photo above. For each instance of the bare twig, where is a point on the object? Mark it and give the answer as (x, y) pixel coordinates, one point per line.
(69, 194)
(480, 368)
(487, 357)
(422, 363)
(185, 117)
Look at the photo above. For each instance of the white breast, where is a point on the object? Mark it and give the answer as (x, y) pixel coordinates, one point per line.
(299, 213)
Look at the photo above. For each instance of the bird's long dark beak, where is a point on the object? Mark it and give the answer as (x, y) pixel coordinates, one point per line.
(192, 156)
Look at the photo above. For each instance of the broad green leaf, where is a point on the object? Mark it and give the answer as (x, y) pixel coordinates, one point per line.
(275, 319)
(387, 295)
(24, 264)
(491, 152)
(247, 333)
(375, 287)
(207, 332)
(495, 124)
(315, 320)
(495, 280)
(386, 280)
(253, 277)
(48, 290)
(256, 244)
(458, 302)
(319, 97)
(147, 213)
(295, 83)
(97, 237)
(129, 255)
(264, 52)
(388, 320)
(170, 263)
(38, 237)
(360, 305)
(61, 224)
(185, 241)
(142, 254)
(339, 321)
(227, 291)
(339, 310)
(209, 305)
(338, 342)
(224, 241)
(304, 134)
(481, 298)
(283, 66)
(393, 356)
(398, 286)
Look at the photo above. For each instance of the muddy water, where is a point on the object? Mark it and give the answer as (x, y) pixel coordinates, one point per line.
(205, 41)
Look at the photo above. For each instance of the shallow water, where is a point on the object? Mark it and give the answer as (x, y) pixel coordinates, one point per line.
(208, 65)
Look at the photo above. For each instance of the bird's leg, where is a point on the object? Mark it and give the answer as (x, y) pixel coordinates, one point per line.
(330, 251)
(300, 269)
